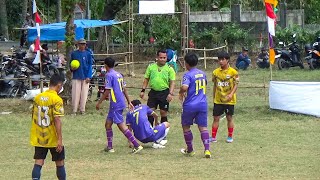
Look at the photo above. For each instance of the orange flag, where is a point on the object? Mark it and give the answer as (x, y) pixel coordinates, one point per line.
(272, 56)
(273, 2)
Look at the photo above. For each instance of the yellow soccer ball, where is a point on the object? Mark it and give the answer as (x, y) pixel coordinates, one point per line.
(74, 64)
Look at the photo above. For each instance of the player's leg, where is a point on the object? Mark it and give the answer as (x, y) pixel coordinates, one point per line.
(186, 121)
(218, 110)
(160, 132)
(163, 105)
(76, 88)
(230, 124)
(109, 132)
(202, 121)
(118, 119)
(40, 154)
(58, 158)
(153, 104)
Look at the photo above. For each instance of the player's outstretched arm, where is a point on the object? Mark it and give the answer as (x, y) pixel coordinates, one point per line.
(183, 90)
(155, 117)
(104, 96)
(125, 92)
(171, 89)
(57, 123)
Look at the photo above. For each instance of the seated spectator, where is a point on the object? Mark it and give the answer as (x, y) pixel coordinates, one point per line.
(243, 60)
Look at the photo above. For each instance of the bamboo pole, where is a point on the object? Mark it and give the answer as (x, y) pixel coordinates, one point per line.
(205, 59)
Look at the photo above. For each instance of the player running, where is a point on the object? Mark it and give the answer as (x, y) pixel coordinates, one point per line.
(116, 91)
(137, 120)
(195, 107)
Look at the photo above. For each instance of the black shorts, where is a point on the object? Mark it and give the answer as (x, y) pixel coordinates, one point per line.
(219, 109)
(41, 153)
(158, 98)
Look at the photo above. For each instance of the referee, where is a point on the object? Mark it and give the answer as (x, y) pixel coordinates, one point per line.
(160, 78)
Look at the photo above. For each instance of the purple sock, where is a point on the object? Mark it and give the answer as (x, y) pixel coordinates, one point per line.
(131, 138)
(188, 137)
(205, 139)
(109, 134)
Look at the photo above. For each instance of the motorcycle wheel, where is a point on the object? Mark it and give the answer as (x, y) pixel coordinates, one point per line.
(282, 64)
(13, 92)
(301, 65)
(313, 64)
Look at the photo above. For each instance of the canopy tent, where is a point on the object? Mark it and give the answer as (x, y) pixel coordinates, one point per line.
(57, 31)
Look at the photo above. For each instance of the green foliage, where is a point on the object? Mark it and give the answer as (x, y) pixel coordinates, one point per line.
(303, 36)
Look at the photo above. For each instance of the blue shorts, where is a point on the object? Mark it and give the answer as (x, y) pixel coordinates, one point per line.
(199, 117)
(115, 116)
(158, 132)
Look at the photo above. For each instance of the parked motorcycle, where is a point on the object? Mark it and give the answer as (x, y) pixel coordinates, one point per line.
(289, 58)
(313, 55)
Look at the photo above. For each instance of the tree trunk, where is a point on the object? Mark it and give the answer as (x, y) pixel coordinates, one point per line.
(111, 8)
(58, 11)
(24, 9)
(3, 19)
(69, 10)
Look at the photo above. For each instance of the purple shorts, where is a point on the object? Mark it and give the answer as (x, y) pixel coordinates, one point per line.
(115, 116)
(199, 117)
(158, 132)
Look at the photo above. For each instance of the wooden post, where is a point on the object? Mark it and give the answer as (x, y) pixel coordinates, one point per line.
(205, 57)
(126, 60)
(41, 75)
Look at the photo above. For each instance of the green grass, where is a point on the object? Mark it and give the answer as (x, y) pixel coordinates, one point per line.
(268, 144)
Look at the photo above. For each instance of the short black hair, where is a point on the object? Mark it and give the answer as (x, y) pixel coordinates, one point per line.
(110, 62)
(223, 55)
(191, 59)
(56, 79)
(135, 102)
(161, 51)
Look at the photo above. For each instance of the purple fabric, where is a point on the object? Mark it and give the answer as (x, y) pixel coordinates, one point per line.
(131, 138)
(205, 139)
(189, 117)
(109, 134)
(188, 137)
(114, 82)
(196, 99)
(138, 121)
(115, 116)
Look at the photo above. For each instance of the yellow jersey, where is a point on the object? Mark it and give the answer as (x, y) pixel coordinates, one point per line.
(224, 81)
(46, 107)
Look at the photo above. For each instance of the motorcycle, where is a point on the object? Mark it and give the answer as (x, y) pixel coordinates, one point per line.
(289, 58)
(313, 55)
(11, 87)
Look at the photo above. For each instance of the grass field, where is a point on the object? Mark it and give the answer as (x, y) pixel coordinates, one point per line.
(268, 144)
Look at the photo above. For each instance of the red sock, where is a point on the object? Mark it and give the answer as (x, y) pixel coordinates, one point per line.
(230, 132)
(214, 132)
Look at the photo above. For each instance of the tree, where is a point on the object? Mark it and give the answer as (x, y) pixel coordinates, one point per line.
(111, 8)
(24, 9)
(58, 11)
(3, 19)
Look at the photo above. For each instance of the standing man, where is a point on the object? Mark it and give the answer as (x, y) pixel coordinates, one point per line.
(160, 78)
(225, 80)
(195, 106)
(46, 131)
(28, 22)
(116, 91)
(81, 77)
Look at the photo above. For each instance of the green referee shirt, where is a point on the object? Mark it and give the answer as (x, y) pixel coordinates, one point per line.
(159, 77)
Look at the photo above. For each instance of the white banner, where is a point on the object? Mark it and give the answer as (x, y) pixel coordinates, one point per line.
(297, 97)
(156, 6)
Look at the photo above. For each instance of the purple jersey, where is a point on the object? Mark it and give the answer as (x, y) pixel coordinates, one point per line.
(114, 82)
(196, 99)
(138, 120)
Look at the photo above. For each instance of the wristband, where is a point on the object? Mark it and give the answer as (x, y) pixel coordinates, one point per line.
(143, 90)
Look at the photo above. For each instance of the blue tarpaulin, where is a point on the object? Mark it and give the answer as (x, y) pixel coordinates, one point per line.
(57, 31)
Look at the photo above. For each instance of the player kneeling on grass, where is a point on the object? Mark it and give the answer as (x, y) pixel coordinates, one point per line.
(195, 106)
(116, 91)
(46, 128)
(137, 120)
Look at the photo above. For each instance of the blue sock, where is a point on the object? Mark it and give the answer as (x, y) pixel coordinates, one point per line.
(36, 172)
(61, 172)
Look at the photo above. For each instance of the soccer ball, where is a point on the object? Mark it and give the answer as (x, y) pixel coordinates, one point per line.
(74, 64)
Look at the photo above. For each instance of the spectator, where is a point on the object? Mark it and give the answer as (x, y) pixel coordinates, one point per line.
(243, 60)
